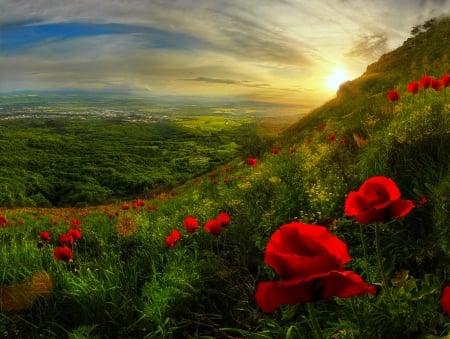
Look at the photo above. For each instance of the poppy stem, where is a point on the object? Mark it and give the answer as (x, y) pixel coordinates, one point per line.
(366, 256)
(314, 321)
(380, 262)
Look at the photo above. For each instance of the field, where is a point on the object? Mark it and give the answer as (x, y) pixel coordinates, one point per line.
(338, 227)
(75, 151)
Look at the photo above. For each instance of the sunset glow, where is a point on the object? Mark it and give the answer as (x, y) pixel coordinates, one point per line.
(335, 79)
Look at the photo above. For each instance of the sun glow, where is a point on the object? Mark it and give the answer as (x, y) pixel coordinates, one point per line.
(336, 78)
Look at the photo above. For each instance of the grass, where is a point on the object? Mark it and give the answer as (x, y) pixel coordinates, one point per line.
(123, 281)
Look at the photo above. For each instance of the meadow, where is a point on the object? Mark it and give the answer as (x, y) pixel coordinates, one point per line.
(339, 230)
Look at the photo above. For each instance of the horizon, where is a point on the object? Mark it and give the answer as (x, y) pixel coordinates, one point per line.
(282, 52)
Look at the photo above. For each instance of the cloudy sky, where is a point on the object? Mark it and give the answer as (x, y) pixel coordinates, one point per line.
(267, 50)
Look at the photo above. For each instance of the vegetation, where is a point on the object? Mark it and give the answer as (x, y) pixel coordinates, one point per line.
(131, 276)
(66, 152)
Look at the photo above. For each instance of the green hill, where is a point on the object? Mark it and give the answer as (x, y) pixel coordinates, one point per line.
(142, 270)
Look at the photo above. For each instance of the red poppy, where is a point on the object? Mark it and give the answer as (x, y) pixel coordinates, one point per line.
(342, 141)
(332, 137)
(425, 81)
(63, 253)
(172, 238)
(378, 199)
(2, 220)
(213, 226)
(310, 263)
(413, 87)
(308, 139)
(422, 200)
(445, 300)
(190, 224)
(45, 236)
(76, 222)
(74, 233)
(445, 80)
(66, 239)
(224, 219)
(292, 149)
(393, 95)
(252, 162)
(436, 84)
(125, 207)
(276, 151)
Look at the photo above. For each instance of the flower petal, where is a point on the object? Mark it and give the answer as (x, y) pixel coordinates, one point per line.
(401, 208)
(298, 249)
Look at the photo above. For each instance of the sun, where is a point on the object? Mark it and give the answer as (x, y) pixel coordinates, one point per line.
(336, 78)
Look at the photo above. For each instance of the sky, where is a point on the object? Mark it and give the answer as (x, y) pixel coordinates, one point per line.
(280, 51)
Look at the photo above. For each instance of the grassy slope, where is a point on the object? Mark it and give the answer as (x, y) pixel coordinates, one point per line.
(129, 284)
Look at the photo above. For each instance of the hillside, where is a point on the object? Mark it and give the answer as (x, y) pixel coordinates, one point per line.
(341, 231)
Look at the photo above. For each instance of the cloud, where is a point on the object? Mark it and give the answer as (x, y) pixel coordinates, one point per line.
(245, 83)
(369, 47)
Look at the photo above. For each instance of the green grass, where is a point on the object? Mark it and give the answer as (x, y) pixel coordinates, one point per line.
(124, 282)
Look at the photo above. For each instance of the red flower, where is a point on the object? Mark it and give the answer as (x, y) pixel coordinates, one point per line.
(172, 238)
(252, 162)
(74, 233)
(310, 263)
(45, 236)
(413, 87)
(445, 300)
(422, 200)
(436, 84)
(332, 137)
(425, 81)
(224, 219)
(2, 220)
(190, 224)
(342, 141)
(125, 207)
(213, 226)
(66, 239)
(76, 222)
(292, 149)
(276, 151)
(378, 199)
(393, 95)
(63, 253)
(308, 139)
(445, 80)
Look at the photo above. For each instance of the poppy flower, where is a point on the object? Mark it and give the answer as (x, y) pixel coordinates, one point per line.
(413, 87)
(292, 149)
(422, 200)
(436, 84)
(425, 81)
(66, 239)
(45, 236)
(445, 300)
(310, 261)
(224, 219)
(276, 151)
(308, 139)
(63, 253)
(393, 95)
(74, 233)
(445, 80)
(213, 226)
(332, 137)
(378, 199)
(252, 162)
(2, 220)
(190, 224)
(125, 207)
(76, 222)
(172, 238)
